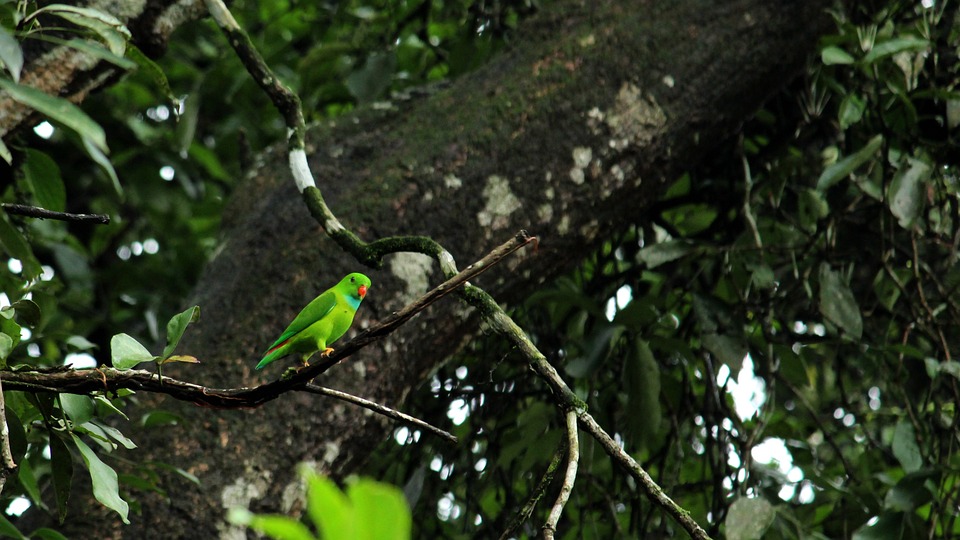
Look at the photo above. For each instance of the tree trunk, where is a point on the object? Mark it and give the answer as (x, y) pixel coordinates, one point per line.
(569, 134)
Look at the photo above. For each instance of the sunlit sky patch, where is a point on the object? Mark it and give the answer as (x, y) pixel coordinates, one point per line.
(44, 130)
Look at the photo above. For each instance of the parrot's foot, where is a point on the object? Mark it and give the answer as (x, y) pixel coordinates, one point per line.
(326, 352)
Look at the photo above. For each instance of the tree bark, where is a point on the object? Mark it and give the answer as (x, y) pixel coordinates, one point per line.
(570, 134)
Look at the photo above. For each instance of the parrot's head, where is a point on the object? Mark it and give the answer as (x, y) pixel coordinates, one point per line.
(357, 284)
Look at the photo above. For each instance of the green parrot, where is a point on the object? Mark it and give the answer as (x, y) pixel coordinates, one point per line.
(322, 322)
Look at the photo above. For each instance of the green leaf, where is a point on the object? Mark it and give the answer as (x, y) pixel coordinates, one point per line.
(905, 447)
(100, 158)
(17, 434)
(9, 338)
(89, 13)
(373, 79)
(108, 27)
(80, 343)
(833, 55)
(851, 110)
(205, 157)
(73, 264)
(328, 507)
(596, 351)
(28, 310)
(811, 209)
(729, 350)
(16, 246)
(907, 192)
(713, 315)
(160, 418)
(113, 433)
(28, 480)
(44, 533)
(98, 51)
(691, 219)
(78, 408)
(279, 527)
(887, 289)
(749, 518)
(97, 435)
(58, 109)
(951, 368)
(911, 492)
(177, 325)
(61, 462)
(889, 526)
(106, 407)
(5, 153)
(178, 471)
(106, 487)
(380, 511)
(126, 352)
(837, 303)
(8, 530)
(189, 114)
(894, 46)
(183, 358)
(152, 70)
(11, 54)
(6, 346)
(642, 385)
(843, 168)
(664, 252)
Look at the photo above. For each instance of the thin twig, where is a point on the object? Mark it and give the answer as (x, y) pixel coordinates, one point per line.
(931, 316)
(43, 213)
(747, 209)
(380, 409)
(538, 492)
(827, 435)
(573, 459)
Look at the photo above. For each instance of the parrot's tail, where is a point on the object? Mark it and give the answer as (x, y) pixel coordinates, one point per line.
(272, 354)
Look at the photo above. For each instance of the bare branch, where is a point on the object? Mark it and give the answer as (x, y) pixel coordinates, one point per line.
(43, 213)
(381, 409)
(573, 459)
(88, 381)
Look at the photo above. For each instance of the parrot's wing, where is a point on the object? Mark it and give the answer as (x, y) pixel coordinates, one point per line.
(315, 310)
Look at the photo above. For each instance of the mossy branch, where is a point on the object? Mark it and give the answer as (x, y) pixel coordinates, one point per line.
(370, 254)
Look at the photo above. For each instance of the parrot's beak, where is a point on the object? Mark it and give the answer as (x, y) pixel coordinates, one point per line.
(362, 291)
